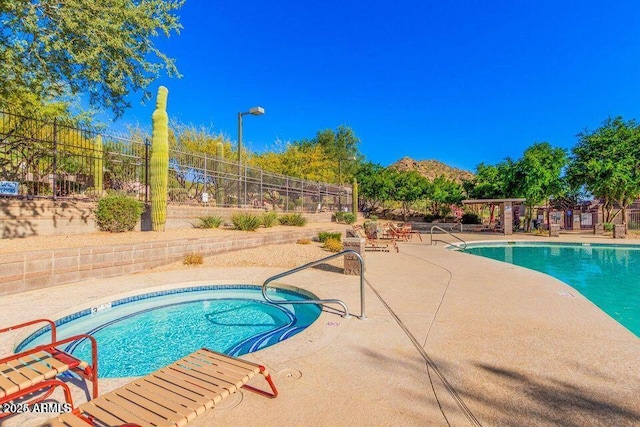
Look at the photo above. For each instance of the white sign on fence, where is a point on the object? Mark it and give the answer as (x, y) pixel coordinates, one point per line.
(9, 188)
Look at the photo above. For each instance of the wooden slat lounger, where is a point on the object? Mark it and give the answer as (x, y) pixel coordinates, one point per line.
(172, 396)
(33, 374)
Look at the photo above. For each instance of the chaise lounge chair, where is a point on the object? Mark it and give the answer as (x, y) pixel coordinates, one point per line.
(172, 396)
(409, 231)
(33, 375)
(372, 243)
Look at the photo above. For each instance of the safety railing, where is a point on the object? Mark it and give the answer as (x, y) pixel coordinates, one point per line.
(450, 234)
(339, 302)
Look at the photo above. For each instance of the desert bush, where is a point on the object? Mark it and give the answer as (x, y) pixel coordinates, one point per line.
(324, 235)
(209, 221)
(194, 258)
(346, 217)
(349, 218)
(304, 241)
(332, 245)
(337, 216)
(269, 219)
(294, 219)
(608, 226)
(246, 221)
(117, 213)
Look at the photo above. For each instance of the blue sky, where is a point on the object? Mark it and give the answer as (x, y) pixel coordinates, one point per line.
(462, 82)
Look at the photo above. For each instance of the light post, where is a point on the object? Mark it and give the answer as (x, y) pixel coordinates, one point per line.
(352, 158)
(254, 111)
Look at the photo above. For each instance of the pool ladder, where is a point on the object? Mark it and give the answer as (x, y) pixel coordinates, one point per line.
(341, 303)
(450, 234)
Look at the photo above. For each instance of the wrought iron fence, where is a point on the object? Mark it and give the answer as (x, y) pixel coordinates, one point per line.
(200, 178)
(57, 160)
(634, 219)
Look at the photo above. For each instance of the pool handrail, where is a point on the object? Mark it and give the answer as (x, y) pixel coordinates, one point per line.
(449, 233)
(346, 315)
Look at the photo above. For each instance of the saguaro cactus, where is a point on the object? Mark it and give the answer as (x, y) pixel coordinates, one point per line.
(354, 197)
(98, 155)
(159, 165)
(218, 169)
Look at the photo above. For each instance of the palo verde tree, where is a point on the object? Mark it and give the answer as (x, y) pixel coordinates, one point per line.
(306, 161)
(101, 49)
(330, 156)
(538, 175)
(341, 148)
(606, 162)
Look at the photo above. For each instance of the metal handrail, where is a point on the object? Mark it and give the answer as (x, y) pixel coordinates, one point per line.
(346, 315)
(449, 233)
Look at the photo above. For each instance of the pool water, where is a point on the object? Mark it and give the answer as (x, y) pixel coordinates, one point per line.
(608, 275)
(139, 337)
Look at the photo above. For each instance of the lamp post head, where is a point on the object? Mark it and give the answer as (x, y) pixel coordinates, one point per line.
(256, 111)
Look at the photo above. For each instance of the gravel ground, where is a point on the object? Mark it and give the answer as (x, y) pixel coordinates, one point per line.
(288, 255)
(281, 256)
(36, 243)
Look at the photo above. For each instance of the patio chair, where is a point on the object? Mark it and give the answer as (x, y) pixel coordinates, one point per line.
(32, 375)
(372, 243)
(408, 231)
(171, 396)
(393, 232)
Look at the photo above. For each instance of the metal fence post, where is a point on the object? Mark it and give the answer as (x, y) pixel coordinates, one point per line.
(204, 185)
(244, 178)
(55, 158)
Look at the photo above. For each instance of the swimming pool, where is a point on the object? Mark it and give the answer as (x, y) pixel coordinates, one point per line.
(140, 334)
(608, 275)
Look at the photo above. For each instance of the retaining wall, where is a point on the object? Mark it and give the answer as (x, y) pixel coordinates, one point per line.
(23, 218)
(21, 272)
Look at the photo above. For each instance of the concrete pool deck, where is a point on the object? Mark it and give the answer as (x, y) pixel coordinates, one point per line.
(450, 339)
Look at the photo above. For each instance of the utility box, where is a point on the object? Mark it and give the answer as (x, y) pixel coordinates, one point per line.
(619, 231)
(554, 230)
(351, 262)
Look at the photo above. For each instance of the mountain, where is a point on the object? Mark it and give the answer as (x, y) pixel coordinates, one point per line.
(432, 169)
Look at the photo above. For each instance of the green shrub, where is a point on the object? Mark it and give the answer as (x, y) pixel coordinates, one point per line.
(470, 218)
(269, 219)
(349, 218)
(373, 217)
(294, 219)
(116, 213)
(209, 221)
(246, 221)
(324, 235)
(332, 245)
(346, 217)
(608, 226)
